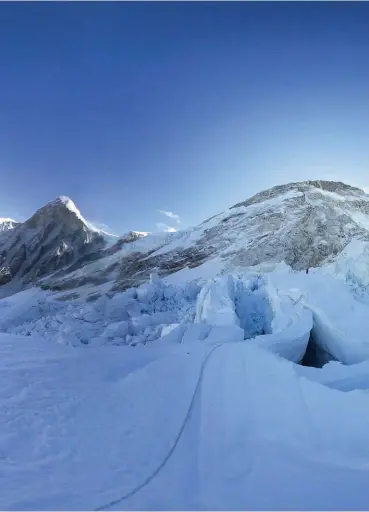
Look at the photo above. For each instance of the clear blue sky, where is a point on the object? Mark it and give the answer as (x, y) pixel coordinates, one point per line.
(131, 108)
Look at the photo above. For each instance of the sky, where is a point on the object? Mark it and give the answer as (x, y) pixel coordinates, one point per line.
(156, 116)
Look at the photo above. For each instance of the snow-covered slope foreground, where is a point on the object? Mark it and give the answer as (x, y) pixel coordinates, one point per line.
(209, 409)
(191, 426)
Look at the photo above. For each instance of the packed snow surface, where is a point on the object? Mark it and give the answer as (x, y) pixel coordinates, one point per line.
(82, 428)
(186, 393)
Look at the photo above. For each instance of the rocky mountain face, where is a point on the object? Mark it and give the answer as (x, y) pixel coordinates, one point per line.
(304, 224)
(54, 237)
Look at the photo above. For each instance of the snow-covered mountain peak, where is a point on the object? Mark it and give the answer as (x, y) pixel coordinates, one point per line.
(303, 224)
(66, 202)
(334, 189)
(6, 224)
(62, 210)
(55, 236)
(6, 219)
(71, 206)
(132, 236)
(140, 233)
(334, 186)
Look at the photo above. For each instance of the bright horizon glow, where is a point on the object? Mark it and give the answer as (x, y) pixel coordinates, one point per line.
(136, 109)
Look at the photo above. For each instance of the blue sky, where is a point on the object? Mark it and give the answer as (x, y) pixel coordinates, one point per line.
(188, 108)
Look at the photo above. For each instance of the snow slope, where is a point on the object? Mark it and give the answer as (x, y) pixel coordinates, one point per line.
(81, 428)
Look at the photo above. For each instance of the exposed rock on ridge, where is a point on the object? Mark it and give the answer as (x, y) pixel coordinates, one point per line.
(303, 224)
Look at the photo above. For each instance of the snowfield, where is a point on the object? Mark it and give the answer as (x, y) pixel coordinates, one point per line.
(82, 428)
(187, 393)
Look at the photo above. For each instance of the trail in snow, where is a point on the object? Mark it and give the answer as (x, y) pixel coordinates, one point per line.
(261, 441)
(82, 428)
(175, 443)
(63, 410)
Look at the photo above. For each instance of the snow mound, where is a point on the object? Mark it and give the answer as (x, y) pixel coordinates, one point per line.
(338, 376)
(340, 319)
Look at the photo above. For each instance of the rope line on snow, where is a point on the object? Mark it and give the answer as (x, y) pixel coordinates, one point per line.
(176, 440)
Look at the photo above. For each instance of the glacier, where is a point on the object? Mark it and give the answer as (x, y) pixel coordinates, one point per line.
(187, 394)
(198, 370)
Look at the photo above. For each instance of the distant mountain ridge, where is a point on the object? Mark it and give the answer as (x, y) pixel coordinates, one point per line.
(303, 224)
(55, 237)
